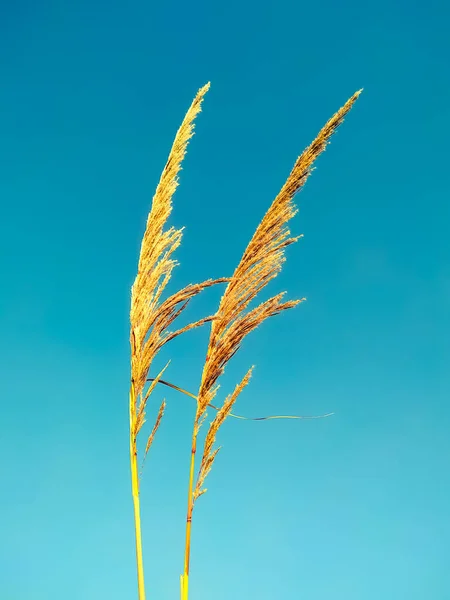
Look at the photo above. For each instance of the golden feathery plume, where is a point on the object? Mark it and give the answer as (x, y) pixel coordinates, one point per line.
(260, 263)
(150, 318)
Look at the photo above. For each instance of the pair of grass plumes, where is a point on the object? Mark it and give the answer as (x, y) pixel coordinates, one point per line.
(152, 318)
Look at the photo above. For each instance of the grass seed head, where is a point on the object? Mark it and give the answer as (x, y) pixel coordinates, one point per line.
(149, 318)
(260, 263)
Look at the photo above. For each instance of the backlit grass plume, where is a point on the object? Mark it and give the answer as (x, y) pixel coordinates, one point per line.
(260, 263)
(150, 317)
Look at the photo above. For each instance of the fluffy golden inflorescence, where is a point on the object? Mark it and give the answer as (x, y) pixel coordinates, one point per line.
(150, 318)
(156, 263)
(260, 263)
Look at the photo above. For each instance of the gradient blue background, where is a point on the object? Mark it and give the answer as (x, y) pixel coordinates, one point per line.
(348, 508)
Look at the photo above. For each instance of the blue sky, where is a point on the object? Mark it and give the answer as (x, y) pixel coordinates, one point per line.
(348, 508)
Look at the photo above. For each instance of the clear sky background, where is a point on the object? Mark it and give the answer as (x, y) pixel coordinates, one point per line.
(353, 507)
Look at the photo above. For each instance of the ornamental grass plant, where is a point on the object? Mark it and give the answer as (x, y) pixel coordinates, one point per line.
(153, 319)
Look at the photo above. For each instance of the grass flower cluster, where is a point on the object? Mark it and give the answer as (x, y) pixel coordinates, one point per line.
(153, 319)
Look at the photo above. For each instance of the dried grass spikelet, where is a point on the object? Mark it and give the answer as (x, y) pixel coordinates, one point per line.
(260, 263)
(208, 453)
(150, 318)
(151, 437)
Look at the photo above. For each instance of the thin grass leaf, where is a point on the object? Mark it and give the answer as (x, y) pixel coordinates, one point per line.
(232, 415)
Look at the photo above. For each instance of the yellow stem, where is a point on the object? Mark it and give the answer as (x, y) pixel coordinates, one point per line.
(135, 492)
(187, 547)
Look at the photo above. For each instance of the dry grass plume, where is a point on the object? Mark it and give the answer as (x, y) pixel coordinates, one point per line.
(234, 320)
(150, 317)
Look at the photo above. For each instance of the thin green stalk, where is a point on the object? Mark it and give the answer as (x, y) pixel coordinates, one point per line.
(190, 507)
(135, 493)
